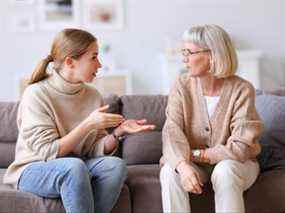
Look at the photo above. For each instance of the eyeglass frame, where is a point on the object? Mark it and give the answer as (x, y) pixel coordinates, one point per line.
(187, 52)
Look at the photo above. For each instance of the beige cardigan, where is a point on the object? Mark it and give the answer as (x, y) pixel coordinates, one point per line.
(49, 110)
(232, 132)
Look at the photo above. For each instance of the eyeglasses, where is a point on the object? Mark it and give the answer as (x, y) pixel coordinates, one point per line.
(187, 52)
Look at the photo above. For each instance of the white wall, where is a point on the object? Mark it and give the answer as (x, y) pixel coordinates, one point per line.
(255, 24)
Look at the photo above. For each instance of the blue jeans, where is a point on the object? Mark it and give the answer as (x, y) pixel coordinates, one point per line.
(87, 186)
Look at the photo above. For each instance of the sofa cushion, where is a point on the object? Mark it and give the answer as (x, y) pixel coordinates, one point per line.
(144, 186)
(278, 92)
(8, 132)
(266, 195)
(8, 124)
(150, 107)
(271, 109)
(15, 201)
(7, 154)
(142, 148)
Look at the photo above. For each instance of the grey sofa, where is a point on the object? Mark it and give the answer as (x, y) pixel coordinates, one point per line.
(141, 192)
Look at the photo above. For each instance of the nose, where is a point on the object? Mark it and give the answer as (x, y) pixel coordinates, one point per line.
(99, 64)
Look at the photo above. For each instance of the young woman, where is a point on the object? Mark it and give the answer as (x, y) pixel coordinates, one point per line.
(212, 126)
(62, 138)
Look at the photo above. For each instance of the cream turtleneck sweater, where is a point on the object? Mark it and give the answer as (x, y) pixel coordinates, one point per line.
(49, 110)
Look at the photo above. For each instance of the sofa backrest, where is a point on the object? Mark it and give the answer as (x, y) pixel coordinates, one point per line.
(144, 148)
(8, 132)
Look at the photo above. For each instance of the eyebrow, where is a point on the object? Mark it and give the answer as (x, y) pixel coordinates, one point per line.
(95, 53)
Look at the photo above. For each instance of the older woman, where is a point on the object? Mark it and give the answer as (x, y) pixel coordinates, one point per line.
(212, 126)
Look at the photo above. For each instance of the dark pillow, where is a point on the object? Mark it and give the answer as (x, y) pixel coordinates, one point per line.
(114, 103)
(271, 109)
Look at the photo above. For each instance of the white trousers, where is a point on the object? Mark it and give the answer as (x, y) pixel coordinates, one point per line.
(229, 179)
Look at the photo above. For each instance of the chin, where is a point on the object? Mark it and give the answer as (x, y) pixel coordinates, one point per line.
(193, 74)
(89, 80)
(196, 73)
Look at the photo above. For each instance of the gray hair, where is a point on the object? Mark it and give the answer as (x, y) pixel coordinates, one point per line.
(224, 60)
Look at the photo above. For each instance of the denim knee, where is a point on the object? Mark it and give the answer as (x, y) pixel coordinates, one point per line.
(119, 167)
(76, 168)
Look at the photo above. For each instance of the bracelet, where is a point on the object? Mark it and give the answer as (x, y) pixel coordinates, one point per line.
(117, 138)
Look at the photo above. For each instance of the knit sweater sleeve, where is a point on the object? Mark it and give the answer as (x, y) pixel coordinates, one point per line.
(36, 125)
(175, 144)
(97, 148)
(245, 127)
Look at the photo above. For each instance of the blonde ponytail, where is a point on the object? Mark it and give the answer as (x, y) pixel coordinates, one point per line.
(40, 71)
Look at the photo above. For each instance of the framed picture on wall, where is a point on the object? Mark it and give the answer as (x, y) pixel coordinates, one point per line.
(24, 23)
(27, 2)
(58, 14)
(103, 14)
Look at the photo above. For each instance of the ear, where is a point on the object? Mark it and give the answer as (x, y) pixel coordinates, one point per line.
(69, 62)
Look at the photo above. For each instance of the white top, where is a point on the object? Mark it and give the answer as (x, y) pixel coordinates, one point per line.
(211, 102)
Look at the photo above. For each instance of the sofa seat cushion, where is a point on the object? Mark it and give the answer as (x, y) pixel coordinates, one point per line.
(266, 195)
(144, 186)
(142, 148)
(15, 201)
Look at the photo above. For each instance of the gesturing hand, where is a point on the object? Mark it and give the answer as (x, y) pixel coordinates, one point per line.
(190, 178)
(134, 126)
(100, 119)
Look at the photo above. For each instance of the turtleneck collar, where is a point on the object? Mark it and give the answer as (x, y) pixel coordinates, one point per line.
(62, 85)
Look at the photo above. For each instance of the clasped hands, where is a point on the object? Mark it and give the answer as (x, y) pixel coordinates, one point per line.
(100, 119)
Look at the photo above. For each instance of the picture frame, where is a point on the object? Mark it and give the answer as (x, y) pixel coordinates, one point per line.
(24, 23)
(21, 2)
(103, 14)
(58, 14)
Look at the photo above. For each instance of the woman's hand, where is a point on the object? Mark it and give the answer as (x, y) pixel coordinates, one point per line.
(133, 126)
(99, 119)
(190, 178)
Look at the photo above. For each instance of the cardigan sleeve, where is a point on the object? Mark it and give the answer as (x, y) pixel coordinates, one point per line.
(37, 127)
(245, 127)
(176, 147)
